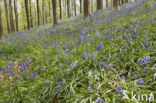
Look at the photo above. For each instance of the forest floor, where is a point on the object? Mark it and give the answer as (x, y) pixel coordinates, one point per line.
(109, 57)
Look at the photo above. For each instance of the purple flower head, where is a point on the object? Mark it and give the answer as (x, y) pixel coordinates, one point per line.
(99, 99)
(118, 89)
(43, 67)
(72, 65)
(57, 91)
(99, 63)
(47, 82)
(99, 47)
(147, 59)
(67, 72)
(140, 81)
(11, 64)
(35, 100)
(35, 74)
(60, 83)
(90, 88)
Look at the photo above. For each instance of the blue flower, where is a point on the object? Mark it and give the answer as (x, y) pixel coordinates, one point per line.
(35, 100)
(99, 99)
(140, 81)
(11, 64)
(57, 91)
(67, 72)
(90, 89)
(99, 63)
(71, 65)
(118, 89)
(60, 83)
(99, 47)
(35, 74)
(47, 82)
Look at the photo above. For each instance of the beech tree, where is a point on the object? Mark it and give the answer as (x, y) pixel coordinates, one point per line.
(86, 8)
(6, 15)
(80, 6)
(99, 4)
(68, 8)
(116, 4)
(38, 12)
(55, 22)
(60, 5)
(27, 13)
(16, 14)
(1, 27)
(12, 27)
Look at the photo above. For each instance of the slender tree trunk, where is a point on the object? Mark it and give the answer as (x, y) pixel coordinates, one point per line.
(6, 15)
(99, 4)
(54, 12)
(27, 14)
(75, 7)
(38, 12)
(122, 1)
(86, 8)
(1, 27)
(31, 17)
(12, 26)
(126, 1)
(50, 11)
(80, 6)
(116, 4)
(60, 4)
(106, 3)
(43, 11)
(68, 8)
(16, 14)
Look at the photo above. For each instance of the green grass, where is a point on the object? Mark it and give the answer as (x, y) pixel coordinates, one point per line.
(122, 59)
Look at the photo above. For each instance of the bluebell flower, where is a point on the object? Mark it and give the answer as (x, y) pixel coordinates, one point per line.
(67, 72)
(90, 88)
(147, 59)
(35, 74)
(60, 83)
(43, 67)
(57, 91)
(47, 82)
(99, 63)
(118, 89)
(11, 64)
(99, 47)
(99, 99)
(35, 100)
(140, 81)
(72, 65)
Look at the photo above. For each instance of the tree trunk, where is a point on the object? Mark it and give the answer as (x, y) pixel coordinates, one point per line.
(86, 8)
(16, 14)
(122, 1)
(126, 1)
(75, 7)
(27, 14)
(31, 17)
(68, 8)
(116, 4)
(54, 12)
(80, 6)
(38, 12)
(60, 4)
(43, 11)
(50, 10)
(99, 5)
(12, 26)
(6, 15)
(106, 3)
(1, 27)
